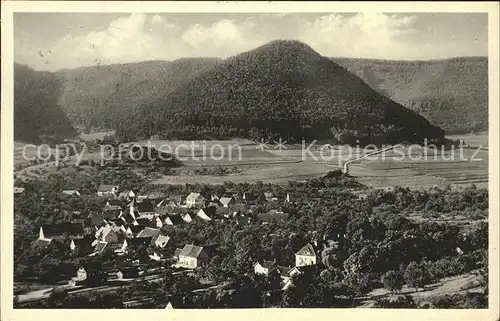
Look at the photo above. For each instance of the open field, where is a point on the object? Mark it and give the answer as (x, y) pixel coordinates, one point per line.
(415, 167)
(451, 285)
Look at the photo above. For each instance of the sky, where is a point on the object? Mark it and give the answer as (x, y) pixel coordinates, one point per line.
(53, 41)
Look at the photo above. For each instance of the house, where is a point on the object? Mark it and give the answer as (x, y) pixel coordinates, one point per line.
(272, 216)
(206, 213)
(107, 190)
(187, 218)
(108, 234)
(268, 195)
(128, 219)
(145, 209)
(146, 221)
(157, 238)
(192, 256)
(95, 220)
(71, 192)
(110, 214)
(288, 273)
(129, 195)
(224, 212)
(128, 273)
(305, 256)
(41, 243)
(131, 231)
(114, 203)
(195, 200)
(243, 220)
(264, 267)
(61, 230)
(227, 201)
(83, 245)
(88, 275)
(249, 198)
(174, 220)
(176, 254)
(136, 243)
(18, 190)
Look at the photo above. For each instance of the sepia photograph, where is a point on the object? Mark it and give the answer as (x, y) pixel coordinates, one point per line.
(237, 160)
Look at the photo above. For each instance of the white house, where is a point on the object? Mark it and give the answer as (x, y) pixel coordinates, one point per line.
(192, 256)
(306, 256)
(195, 200)
(203, 215)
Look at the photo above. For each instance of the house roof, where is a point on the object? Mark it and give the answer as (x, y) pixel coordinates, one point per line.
(139, 241)
(307, 250)
(144, 221)
(176, 219)
(149, 232)
(41, 243)
(113, 202)
(18, 190)
(109, 214)
(62, 228)
(71, 192)
(145, 207)
(105, 188)
(129, 219)
(191, 250)
(135, 228)
(99, 248)
(266, 264)
(223, 210)
(226, 200)
(177, 252)
(192, 197)
(272, 216)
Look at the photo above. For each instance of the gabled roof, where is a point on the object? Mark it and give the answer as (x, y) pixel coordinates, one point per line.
(307, 250)
(191, 250)
(144, 221)
(176, 219)
(109, 214)
(63, 228)
(99, 248)
(71, 192)
(145, 207)
(18, 190)
(113, 202)
(192, 197)
(41, 244)
(149, 232)
(226, 200)
(266, 264)
(135, 229)
(142, 241)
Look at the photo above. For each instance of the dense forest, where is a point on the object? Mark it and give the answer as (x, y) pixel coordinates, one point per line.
(37, 115)
(282, 85)
(103, 96)
(450, 93)
(282, 89)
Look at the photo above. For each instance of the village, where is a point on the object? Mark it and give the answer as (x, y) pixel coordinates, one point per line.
(131, 222)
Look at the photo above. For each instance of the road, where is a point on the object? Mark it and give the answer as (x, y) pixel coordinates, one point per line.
(45, 293)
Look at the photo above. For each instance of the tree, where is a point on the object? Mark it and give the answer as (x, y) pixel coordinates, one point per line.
(417, 275)
(393, 281)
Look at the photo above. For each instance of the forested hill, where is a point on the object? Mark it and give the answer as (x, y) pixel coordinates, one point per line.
(282, 89)
(102, 96)
(36, 110)
(451, 93)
